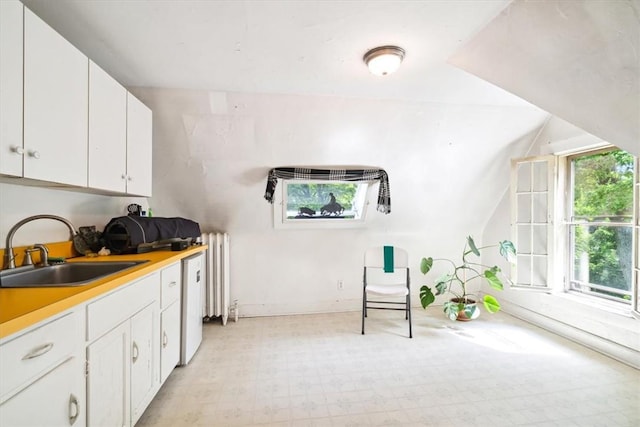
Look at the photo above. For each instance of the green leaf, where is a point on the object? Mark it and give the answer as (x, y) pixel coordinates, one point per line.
(491, 304)
(426, 296)
(508, 251)
(426, 264)
(470, 310)
(472, 246)
(442, 284)
(451, 309)
(493, 279)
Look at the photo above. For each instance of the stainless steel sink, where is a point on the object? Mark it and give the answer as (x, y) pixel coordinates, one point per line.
(69, 274)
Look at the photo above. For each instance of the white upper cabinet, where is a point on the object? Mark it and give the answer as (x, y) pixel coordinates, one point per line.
(11, 149)
(139, 147)
(63, 119)
(107, 131)
(56, 92)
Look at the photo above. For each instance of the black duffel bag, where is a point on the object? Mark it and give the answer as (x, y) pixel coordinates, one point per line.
(125, 234)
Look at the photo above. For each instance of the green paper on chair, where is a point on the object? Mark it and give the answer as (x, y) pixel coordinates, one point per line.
(388, 259)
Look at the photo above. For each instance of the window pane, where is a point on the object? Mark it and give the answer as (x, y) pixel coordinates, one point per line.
(603, 187)
(524, 177)
(524, 270)
(539, 276)
(524, 209)
(540, 207)
(324, 200)
(540, 176)
(524, 239)
(539, 244)
(638, 247)
(602, 256)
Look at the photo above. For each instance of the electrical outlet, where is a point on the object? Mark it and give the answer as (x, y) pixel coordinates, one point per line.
(340, 285)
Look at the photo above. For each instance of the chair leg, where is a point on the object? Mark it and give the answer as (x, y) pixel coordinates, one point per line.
(364, 308)
(409, 315)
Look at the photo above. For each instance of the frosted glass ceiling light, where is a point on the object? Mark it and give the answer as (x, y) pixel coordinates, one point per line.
(384, 60)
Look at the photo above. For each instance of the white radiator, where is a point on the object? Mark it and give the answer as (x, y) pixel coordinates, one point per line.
(216, 290)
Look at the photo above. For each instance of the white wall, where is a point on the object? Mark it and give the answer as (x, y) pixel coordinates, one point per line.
(610, 332)
(20, 201)
(578, 60)
(212, 151)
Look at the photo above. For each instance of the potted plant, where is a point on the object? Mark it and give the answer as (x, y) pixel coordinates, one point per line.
(463, 304)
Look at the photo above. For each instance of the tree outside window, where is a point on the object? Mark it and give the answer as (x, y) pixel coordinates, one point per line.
(601, 224)
(325, 200)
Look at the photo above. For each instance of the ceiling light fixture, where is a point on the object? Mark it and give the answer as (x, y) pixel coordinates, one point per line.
(384, 60)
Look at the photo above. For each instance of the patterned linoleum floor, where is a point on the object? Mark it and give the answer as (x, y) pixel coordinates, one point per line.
(318, 370)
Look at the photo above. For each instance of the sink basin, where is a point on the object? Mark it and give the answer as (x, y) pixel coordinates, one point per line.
(71, 274)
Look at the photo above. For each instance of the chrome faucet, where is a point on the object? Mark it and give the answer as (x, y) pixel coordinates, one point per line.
(9, 256)
(44, 254)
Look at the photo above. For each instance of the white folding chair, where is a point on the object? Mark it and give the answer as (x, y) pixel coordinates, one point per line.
(386, 282)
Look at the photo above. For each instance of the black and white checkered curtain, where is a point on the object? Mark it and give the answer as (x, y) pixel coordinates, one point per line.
(384, 196)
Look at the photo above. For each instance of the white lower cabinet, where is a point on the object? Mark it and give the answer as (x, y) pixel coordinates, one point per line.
(170, 318)
(145, 360)
(56, 399)
(108, 377)
(123, 372)
(42, 378)
(100, 363)
(170, 351)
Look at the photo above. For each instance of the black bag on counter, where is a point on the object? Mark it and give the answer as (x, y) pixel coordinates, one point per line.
(130, 234)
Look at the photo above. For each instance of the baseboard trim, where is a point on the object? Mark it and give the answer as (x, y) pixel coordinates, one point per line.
(260, 310)
(611, 349)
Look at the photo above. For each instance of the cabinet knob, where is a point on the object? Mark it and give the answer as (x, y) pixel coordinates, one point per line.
(17, 150)
(165, 339)
(129, 178)
(135, 352)
(123, 176)
(74, 409)
(35, 154)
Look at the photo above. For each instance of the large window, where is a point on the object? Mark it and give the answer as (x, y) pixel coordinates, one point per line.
(576, 225)
(600, 224)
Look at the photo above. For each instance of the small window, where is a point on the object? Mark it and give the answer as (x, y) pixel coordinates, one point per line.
(312, 204)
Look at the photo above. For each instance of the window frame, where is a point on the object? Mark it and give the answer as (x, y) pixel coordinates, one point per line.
(636, 245)
(557, 249)
(570, 284)
(518, 239)
(282, 221)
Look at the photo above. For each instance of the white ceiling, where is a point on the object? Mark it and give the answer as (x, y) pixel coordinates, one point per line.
(289, 47)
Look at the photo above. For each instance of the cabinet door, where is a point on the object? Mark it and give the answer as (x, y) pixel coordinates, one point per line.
(145, 359)
(109, 361)
(56, 399)
(170, 340)
(139, 147)
(55, 105)
(11, 87)
(107, 131)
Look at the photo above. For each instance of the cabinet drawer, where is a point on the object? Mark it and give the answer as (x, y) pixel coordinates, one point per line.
(171, 278)
(28, 356)
(109, 311)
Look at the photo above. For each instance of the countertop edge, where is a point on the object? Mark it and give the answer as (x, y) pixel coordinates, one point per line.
(80, 295)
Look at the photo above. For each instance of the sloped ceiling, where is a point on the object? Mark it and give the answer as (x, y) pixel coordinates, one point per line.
(578, 60)
(281, 47)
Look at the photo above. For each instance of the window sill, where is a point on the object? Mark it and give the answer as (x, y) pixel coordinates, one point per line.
(612, 307)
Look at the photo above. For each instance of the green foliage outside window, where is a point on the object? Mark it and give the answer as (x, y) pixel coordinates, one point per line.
(603, 192)
(315, 196)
